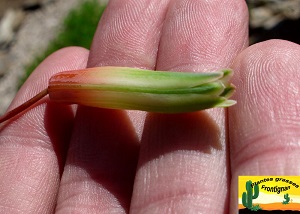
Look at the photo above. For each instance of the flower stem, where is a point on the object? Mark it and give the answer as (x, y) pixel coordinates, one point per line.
(24, 106)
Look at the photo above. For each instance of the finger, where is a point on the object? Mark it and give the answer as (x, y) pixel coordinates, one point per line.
(265, 124)
(183, 164)
(32, 145)
(102, 158)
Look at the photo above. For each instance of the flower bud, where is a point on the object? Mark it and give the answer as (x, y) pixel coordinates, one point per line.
(146, 90)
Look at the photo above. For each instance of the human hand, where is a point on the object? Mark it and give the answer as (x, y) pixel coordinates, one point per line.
(116, 161)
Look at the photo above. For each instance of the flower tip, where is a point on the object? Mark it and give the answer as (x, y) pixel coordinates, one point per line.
(228, 91)
(226, 103)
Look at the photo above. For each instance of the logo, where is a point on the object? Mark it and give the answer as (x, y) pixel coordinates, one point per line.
(272, 194)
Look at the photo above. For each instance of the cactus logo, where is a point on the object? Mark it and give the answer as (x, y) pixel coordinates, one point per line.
(269, 194)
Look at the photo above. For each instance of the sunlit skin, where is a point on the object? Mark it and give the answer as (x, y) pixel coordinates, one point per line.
(55, 158)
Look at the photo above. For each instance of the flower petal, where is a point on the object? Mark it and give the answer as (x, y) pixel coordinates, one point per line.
(133, 77)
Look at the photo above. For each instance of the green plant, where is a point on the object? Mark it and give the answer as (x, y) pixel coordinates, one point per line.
(256, 208)
(248, 197)
(78, 29)
(137, 89)
(286, 199)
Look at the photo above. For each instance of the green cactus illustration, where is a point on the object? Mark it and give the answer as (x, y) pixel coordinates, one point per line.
(286, 199)
(256, 208)
(248, 197)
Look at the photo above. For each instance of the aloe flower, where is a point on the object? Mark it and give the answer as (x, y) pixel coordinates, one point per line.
(137, 89)
(146, 90)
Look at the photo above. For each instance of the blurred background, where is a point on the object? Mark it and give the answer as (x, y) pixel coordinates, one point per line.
(30, 30)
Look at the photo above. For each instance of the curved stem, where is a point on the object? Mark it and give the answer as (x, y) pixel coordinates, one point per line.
(24, 106)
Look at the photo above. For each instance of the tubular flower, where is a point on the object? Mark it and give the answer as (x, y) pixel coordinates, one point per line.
(146, 90)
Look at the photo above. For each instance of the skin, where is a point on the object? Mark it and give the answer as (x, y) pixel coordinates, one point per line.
(109, 161)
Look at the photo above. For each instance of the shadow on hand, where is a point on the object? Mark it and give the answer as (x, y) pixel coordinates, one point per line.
(59, 120)
(105, 145)
(165, 133)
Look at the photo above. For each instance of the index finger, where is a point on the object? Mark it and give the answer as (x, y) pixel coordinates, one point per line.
(33, 145)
